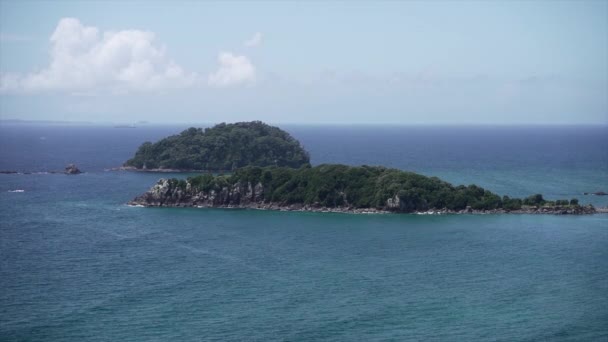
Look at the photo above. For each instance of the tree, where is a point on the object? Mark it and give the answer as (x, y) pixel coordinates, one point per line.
(536, 199)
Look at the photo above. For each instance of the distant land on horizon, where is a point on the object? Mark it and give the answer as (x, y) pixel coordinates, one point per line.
(362, 124)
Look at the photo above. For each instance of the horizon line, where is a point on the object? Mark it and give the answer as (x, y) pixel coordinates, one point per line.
(206, 124)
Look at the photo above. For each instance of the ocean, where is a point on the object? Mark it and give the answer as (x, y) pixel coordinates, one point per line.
(77, 264)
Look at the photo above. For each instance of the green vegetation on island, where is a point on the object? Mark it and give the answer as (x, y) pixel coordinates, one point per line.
(222, 147)
(270, 170)
(338, 186)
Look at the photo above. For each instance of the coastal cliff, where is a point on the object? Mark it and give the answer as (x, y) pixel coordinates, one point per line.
(327, 188)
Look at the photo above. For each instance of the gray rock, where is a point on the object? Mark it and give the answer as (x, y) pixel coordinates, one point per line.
(71, 169)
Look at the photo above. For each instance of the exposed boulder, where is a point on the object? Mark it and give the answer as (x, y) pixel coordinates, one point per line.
(71, 169)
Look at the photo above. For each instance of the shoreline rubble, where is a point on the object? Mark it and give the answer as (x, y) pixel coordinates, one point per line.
(581, 210)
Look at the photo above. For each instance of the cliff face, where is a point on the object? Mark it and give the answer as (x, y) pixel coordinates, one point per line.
(243, 194)
(166, 193)
(240, 195)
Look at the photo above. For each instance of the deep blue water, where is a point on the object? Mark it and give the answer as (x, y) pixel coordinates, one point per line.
(76, 264)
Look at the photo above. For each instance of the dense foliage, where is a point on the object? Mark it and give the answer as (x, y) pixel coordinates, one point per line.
(361, 187)
(222, 147)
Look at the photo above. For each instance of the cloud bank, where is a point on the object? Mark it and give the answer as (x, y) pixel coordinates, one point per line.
(84, 59)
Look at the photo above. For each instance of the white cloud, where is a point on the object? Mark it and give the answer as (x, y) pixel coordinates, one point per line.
(233, 70)
(254, 41)
(82, 58)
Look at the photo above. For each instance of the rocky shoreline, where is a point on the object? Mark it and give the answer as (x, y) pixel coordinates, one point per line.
(250, 196)
(581, 210)
(70, 169)
(134, 169)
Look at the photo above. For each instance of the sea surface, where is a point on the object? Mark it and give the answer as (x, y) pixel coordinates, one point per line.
(77, 264)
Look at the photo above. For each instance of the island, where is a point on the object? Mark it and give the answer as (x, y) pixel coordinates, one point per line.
(223, 147)
(342, 188)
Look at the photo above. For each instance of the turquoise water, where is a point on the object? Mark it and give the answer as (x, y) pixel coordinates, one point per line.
(76, 264)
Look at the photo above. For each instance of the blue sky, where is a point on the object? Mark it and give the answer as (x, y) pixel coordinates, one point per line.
(404, 62)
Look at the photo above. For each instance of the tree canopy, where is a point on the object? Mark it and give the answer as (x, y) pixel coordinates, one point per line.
(331, 186)
(222, 147)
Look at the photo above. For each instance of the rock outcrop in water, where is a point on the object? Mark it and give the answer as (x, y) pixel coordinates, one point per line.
(339, 188)
(71, 169)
